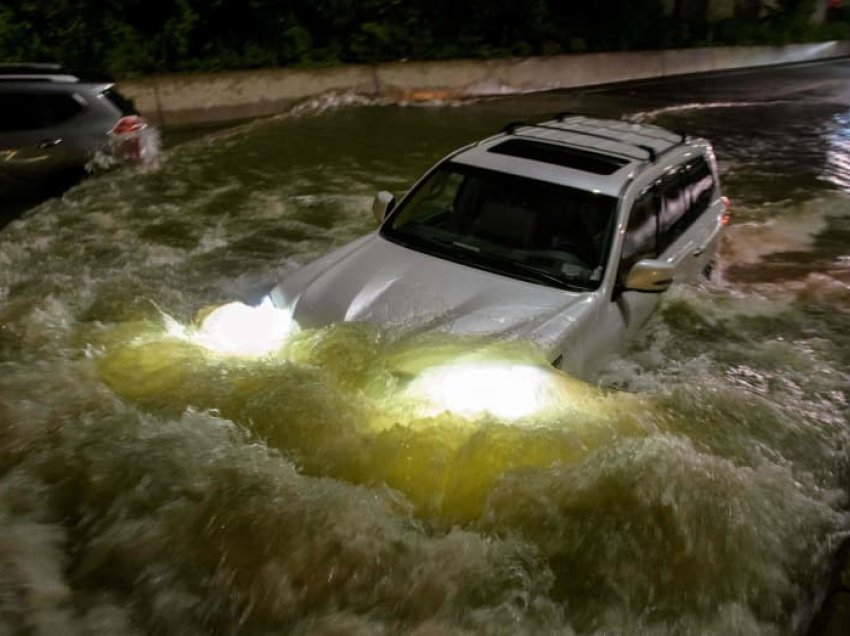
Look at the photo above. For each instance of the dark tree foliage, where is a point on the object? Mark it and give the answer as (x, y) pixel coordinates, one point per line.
(129, 37)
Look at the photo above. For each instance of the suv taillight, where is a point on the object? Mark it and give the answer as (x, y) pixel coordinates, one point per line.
(726, 217)
(129, 124)
(126, 138)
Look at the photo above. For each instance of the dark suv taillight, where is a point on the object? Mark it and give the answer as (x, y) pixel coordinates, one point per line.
(125, 138)
(727, 214)
(129, 124)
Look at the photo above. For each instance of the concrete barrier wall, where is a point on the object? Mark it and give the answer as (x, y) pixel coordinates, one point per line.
(207, 97)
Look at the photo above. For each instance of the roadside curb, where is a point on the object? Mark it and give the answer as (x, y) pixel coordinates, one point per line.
(208, 97)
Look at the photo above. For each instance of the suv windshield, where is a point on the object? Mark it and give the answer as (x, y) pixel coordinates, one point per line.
(533, 230)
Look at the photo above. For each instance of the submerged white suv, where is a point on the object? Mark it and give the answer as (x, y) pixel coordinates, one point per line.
(561, 233)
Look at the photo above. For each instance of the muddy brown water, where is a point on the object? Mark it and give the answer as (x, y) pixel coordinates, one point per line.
(699, 485)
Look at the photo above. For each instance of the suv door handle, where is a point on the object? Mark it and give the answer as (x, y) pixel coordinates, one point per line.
(49, 143)
(699, 249)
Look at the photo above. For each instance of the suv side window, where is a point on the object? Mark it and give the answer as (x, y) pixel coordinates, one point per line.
(674, 207)
(641, 240)
(19, 111)
(23, 111)
(700, 185)
(686, 194)
(59, 107)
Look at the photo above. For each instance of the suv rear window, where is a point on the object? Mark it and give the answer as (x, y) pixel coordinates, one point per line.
(120, 102)
(559, 155)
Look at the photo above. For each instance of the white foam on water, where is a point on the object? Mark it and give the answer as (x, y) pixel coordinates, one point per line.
(831, 289)
(333, 100)
(786, 228)
(675, 109)
(782, 226)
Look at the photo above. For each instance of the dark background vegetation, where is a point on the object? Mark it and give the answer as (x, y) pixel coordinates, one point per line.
(129, 37)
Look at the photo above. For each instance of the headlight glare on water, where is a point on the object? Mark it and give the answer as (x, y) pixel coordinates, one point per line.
(238, 329)
(505, 390)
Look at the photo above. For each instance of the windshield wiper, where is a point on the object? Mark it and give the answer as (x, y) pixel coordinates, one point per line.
(492, 261)
(573, 284)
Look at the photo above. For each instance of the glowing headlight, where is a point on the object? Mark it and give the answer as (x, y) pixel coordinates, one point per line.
(505, 390)
(241, 330)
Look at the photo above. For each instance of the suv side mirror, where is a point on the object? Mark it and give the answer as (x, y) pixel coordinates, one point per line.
(649, 275)
(382, 205)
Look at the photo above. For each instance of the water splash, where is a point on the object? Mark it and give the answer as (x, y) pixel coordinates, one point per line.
(677, 109)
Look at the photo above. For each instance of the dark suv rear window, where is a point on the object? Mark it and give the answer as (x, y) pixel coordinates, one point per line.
(559, 155)
(120, 102)
(30, 111)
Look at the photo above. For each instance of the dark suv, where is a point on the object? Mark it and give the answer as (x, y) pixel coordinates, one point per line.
(54, 122)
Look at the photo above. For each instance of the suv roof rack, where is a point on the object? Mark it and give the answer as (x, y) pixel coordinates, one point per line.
(45, 72)
(36, 72)
(28, 67)
(601, 123)
(652, 154)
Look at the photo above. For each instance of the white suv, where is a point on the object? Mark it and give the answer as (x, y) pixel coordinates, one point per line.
(561, 233)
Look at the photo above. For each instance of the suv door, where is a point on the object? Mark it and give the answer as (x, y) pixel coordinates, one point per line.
(32, 145)
(677, 220)
(639, 242)
(689, 227)
(622, 313)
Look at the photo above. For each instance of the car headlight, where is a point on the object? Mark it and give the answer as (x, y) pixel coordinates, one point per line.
(238, 329)
(505, 390)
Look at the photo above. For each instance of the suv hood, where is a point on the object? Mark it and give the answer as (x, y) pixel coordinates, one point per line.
(374, 280)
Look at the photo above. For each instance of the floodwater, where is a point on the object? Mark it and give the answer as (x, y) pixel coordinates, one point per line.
(698, 485)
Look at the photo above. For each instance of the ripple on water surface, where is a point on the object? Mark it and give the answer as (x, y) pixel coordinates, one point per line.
(148, 484)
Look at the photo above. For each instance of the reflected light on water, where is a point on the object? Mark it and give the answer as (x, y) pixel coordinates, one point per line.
(237, 329)
(838, 151)
(504, 390)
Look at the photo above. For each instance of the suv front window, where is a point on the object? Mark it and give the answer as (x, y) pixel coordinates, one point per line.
(527, 229)
(641, 240)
